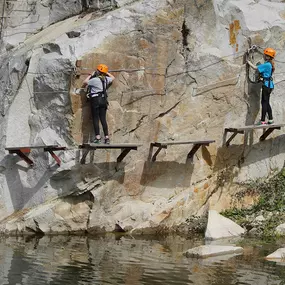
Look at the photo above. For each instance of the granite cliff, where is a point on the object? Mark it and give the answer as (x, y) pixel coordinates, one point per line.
(180, 75)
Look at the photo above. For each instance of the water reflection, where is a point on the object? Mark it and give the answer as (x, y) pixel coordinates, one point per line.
(132, 261)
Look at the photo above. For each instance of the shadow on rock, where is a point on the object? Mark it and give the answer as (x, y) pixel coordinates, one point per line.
(167, 174)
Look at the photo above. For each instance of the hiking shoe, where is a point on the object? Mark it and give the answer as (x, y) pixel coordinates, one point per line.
(97, 141)
(261, 123)
(107, 141)
(270, 122)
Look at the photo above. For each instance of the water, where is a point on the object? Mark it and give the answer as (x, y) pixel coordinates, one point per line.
(132, 261)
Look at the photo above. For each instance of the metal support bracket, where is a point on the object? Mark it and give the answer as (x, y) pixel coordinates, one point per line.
(159, 146)
(194, 150)
(123, 154)
(268, 132)
(234, 133)
(22, 153)
(124, 150)
(54, 156)
(84, 155)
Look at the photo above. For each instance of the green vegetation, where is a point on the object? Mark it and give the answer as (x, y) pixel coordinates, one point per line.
(270, 205)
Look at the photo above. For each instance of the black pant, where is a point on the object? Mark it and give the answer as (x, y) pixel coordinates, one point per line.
(266, 108)
(99, 112)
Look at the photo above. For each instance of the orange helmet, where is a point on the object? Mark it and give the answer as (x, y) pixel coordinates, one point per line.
(270, 51)
(102, 68)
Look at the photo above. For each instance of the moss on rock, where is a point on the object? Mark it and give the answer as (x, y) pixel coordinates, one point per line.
(268, 212)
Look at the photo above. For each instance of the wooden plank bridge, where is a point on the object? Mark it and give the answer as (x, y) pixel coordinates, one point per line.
(24, 151)
(164, 145)
(125, 149)
(267, 130)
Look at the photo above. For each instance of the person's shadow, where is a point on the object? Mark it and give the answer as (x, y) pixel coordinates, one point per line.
(252, 97)
(86, 119)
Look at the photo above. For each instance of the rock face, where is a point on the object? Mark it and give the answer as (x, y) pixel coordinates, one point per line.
(61, 217)
(179, 76)
(221, 227)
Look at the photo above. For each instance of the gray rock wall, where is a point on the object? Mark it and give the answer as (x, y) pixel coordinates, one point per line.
(181, 77)
(22, 18)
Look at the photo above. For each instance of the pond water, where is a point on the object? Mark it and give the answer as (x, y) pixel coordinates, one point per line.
(114, 259)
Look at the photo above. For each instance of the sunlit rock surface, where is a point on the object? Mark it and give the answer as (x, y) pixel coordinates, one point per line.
(180, 76)
(221, 227)
(278, 255)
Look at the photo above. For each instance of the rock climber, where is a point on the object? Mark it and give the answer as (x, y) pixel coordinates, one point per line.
(98, 83)
(266, 70)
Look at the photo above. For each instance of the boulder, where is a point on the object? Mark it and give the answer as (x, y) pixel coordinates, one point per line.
(278, 255)
(221, 227)
(205, 251)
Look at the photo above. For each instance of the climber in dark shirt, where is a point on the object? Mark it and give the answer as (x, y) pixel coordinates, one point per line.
(98, 83)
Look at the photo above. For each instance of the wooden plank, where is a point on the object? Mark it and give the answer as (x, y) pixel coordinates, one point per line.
(109, 146)
(253, 127)
(57, 148)
(268, 129)
(33, 147)
(204, 142)
(234, 130)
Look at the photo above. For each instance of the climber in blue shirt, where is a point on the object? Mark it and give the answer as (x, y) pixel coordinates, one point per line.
(266, 70)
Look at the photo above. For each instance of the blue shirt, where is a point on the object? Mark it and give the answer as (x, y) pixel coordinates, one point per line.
(265, 70)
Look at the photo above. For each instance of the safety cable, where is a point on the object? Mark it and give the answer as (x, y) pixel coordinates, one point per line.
(145, 69)
(136, 69)
(262, 48)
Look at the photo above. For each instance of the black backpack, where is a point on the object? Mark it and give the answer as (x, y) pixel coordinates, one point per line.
(102, 98)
